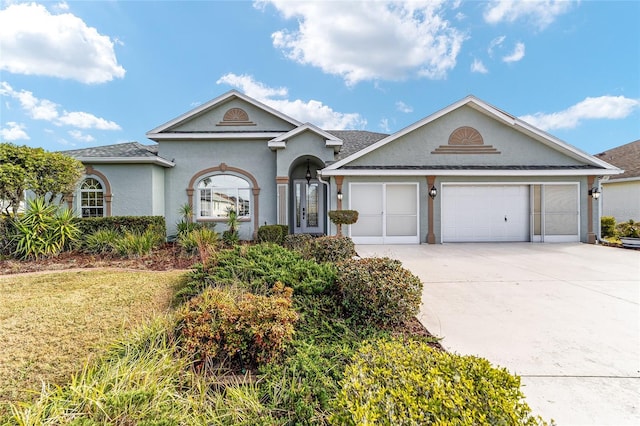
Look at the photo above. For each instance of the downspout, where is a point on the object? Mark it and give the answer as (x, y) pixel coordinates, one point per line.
(328, 187)
(599, 233)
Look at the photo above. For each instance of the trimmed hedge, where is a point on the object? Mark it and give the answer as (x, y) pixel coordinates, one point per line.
(273, 234)
(608, 226)
(409, 383)
(378, 290)
(330, 249)
(135, 224)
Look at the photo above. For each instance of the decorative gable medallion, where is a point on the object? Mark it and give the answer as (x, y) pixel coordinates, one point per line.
(236, 117)
(465, 140)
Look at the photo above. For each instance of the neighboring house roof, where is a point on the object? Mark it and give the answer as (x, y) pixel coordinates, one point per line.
(597, 165)
(626, 157)
(128, 152)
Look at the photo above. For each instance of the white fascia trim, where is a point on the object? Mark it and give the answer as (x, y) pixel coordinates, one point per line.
(210, 136)
(438, 172)
(220, 99)
(273, 144)
(127, 160)
(622, 180)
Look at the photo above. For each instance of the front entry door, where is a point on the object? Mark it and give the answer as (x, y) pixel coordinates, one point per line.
(308, 215)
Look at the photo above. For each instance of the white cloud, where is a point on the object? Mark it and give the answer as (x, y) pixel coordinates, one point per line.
(363, 41)
(496, 42)
(541, 13)
(84, 120)
(79, 136)
(478, 66)
(37, 42)
(402, 107)
(384, 125)
(603, 107)
(44, 109)
(13, 132)
(516, 55)
(311, 111)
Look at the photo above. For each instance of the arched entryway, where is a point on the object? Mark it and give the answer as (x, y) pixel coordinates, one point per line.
(308, 198)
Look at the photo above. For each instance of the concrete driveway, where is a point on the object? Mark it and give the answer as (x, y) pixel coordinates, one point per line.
(564, 317)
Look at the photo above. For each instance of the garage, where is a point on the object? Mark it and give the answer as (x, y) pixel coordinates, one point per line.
(481, 213)
(388, 213)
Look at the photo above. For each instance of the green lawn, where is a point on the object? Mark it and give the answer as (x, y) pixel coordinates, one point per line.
(50, 324)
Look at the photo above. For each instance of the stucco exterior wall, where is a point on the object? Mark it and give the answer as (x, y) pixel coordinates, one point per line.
(414, 149)
(192, 157)
(621, 200)
(132, 188)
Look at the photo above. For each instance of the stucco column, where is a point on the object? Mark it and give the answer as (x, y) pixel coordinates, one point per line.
(591, 236)
(431, 236)
(339, 180)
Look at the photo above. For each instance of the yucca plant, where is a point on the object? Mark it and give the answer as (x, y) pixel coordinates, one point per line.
(44, 230)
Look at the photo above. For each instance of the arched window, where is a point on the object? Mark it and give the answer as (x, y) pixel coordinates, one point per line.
(217, 194)
(92, 198)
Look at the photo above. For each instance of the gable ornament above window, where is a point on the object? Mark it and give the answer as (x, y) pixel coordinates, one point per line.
(236, 117)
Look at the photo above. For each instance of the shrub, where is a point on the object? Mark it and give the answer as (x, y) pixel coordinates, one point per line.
(343, 217)
(331, 249)
(298, 243)
(102, 241)
(138, 244)
(7, 236)
(44, 230)
(378, 290)
(200, 239)
(230, 325)
(608, 226)
(409, 383)
(629, 229)
(272, 234)
(139, 224)
(257, 268)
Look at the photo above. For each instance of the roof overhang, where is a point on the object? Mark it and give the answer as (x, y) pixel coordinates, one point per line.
(466, 172)
(158, 161)
(212, 136)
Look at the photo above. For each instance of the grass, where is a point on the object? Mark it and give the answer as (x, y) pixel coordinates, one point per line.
(50, 324)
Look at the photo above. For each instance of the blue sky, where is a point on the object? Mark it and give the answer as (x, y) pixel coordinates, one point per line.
(80, 74)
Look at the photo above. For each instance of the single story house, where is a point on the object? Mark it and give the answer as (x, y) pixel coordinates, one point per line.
(621, 193)
(469, 172)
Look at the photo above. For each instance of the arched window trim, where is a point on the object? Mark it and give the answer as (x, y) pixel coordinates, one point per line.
(222, 198)
(92, 201)
(225, 169)
(90, 172)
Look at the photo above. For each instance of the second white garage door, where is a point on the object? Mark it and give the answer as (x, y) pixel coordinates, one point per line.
(388, 213)
(477, 213)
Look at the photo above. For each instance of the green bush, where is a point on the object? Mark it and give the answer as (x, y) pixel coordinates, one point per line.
(331, 249)
(378, 290)
(44, 230)
(229, 325)
(7, 236)
(133, 244)
(200, 239)
(628, 229)
(608, 226)
(409, 383)
(258, 267)
(298, 243)
(102, 241)
(343, 217)
(139, 224)
(272, 234)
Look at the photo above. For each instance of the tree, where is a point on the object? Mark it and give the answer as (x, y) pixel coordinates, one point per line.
(45, 173)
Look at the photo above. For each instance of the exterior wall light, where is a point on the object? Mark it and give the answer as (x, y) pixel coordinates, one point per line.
(433, 192)
(594, 193)
(307, 175)
(339, 195)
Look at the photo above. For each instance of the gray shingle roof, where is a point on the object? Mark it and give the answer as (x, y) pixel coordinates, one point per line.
(355, 140)
(121, 150)
(626, 157)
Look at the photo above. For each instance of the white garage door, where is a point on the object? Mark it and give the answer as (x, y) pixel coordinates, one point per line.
(476, 213)
(387, 213)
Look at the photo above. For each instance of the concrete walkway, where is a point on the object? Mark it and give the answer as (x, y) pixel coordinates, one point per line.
(565, 317)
